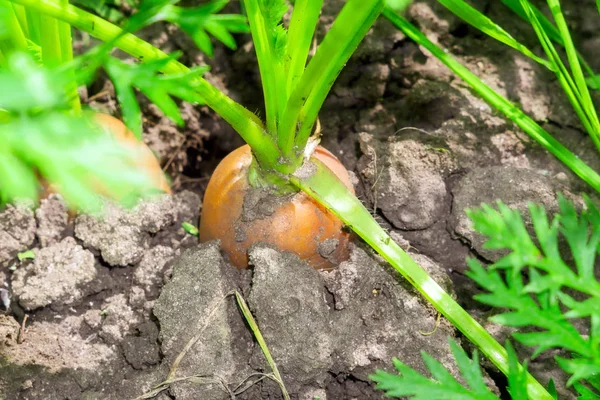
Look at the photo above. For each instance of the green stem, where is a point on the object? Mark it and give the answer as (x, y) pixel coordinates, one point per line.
(243, 121)
(319, 182)
(33, 22)
(349, 28)
(22, 18)
(528, 125)
(16, 39)
(266, 62)
(50, 41)
(66, 50)
(300, 33)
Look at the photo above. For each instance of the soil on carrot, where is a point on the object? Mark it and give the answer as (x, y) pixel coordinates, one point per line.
(105, 306)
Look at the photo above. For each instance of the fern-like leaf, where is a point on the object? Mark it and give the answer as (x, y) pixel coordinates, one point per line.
(157, 87)
(198, 22)
(443, 385)
(542, 301)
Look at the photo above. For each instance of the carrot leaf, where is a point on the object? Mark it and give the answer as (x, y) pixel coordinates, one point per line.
(157, 87)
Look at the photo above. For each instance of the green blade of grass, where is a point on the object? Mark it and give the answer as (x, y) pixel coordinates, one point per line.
(553, 33)
(241, 119)
(266, 62)
(339, 43)
(319, 182)
(300, 33)
(549, 28)
(261, 342)
(588, 120)
(475, 18)
(528, 125)
(576, 69)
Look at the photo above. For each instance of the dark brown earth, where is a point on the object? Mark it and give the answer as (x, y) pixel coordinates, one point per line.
(111, 302)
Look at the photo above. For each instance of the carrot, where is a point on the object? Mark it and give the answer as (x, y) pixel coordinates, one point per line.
(240, 215)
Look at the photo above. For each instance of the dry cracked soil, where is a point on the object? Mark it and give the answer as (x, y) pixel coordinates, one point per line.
(108, 304)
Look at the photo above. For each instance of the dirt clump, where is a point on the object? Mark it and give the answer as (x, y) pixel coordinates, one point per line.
(17, 230)
(61, 273)
(406, 179)
(194, 303)
(515, 187)
(52, 220)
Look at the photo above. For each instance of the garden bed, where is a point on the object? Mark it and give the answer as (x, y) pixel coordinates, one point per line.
(107, 304)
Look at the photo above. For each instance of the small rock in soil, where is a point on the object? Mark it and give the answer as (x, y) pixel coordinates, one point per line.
(52, 219)
(121, 236)
(17, 230)
(193, 303)
(60, 273)
(289, 302)
(405, 179)
(516, 187)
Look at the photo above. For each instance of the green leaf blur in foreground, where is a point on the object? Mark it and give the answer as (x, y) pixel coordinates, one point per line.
(40, 139)
(556, 292)
(157, 87)
(442, 385)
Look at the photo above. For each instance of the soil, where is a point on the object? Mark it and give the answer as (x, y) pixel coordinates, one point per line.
(109, 302)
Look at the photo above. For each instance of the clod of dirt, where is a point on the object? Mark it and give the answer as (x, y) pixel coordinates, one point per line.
(380, 316)
(141, 350)
(193, 303)
(17, 230)
(54, 345)
(121, 236)
(404, 178)
(516, 187)
(118, 318)
(60, 273)
(289, 301)
(153, 269)
(52, 219)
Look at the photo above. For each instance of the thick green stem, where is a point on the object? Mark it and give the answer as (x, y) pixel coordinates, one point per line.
(266, 62)
(349, 28)
(15, 39)
(243, 121)
(66, 50)
(300, 33)
(22, 18)
(50, 41)
(320, 183)
(503, 105)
